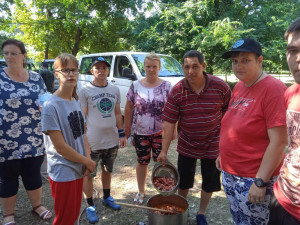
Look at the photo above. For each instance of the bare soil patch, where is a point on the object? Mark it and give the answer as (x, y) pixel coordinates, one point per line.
(123, 189)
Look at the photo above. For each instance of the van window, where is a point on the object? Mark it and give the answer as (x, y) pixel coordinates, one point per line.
(121, 62)
(2, 64)
(29, 65)
(85, 65)
(50, 63)
(169, 66)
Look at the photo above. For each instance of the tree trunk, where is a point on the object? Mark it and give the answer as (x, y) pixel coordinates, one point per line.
(78, 39)
(46, 53)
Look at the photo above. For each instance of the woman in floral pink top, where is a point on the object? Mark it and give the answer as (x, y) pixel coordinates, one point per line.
(145, 101)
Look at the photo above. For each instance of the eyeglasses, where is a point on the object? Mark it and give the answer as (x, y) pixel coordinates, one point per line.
(67, 72)
(13, 54)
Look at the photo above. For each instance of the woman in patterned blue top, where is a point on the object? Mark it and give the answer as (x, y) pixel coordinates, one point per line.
(21, 142)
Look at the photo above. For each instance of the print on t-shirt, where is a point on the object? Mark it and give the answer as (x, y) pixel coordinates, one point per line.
(293, 125)
(240, 103)
(104, 103)
(76, 122)
(149, 107)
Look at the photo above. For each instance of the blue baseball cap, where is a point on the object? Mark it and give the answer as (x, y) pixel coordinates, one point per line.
(244, 45)
(100, 59)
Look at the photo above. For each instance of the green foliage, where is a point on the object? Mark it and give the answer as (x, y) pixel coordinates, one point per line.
(165, 26)
(85, 26)
(213, 26)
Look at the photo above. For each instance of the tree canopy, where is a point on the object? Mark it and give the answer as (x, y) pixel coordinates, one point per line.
(170, 27)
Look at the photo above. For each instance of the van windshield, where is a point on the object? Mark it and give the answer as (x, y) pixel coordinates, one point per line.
(170, 67)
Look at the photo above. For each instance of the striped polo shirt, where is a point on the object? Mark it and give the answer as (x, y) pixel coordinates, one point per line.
(199, 116)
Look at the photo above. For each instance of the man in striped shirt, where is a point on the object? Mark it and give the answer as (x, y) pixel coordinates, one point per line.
(198, 102)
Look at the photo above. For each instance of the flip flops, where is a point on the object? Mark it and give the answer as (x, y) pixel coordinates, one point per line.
(139, 199)
(12, 222)
(45, 215)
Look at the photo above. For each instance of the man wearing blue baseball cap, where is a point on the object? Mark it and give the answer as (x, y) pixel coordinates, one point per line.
(100, 101)
(253, 136)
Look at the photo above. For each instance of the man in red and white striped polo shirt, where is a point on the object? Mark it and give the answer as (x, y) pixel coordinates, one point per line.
(198, 102)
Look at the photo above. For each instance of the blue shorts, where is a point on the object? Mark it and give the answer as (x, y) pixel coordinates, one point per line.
(244, 212)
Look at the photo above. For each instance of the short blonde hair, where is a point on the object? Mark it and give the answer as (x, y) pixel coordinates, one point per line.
(153, 56)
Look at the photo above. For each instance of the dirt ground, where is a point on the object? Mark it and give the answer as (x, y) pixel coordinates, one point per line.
(123, 189)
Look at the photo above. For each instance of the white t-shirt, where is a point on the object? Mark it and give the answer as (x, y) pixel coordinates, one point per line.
(102, 131)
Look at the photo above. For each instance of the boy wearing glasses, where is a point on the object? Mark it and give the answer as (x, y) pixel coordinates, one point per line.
(100, 101)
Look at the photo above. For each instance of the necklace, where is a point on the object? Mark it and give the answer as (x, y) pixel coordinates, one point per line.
(257, 79)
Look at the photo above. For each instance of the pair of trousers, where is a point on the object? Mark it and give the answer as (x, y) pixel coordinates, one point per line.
(67, 201)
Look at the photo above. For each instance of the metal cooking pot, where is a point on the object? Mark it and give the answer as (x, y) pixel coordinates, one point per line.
(176, 219)
(169, 170)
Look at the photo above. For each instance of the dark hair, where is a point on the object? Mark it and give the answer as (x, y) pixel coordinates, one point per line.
(194, 53)
(294, 27)
(63, 60)
(44, 64)
(17, 43)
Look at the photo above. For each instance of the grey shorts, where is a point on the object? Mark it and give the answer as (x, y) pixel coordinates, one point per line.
(106, 157)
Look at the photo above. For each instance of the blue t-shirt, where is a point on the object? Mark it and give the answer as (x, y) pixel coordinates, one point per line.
(20, 118)
(64, 116)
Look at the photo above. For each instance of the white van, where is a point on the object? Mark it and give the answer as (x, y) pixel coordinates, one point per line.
(127, 67)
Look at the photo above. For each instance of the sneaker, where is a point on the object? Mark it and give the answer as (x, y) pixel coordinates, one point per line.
(91, 214)
(201, 219)
(109, 202)
(139, 199)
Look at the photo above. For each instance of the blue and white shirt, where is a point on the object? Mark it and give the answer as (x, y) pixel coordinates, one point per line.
(20, 118)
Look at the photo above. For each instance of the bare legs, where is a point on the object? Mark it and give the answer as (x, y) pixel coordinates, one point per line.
(141, 174)
(8, 204)
(106, 179)
(204, 201)
(88, 187)
(88, 183)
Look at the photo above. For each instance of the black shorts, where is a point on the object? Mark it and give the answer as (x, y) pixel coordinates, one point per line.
(279, 216)
(30, 171)
(210, 174)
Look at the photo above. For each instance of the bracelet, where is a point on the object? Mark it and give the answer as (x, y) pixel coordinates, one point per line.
(121, 133)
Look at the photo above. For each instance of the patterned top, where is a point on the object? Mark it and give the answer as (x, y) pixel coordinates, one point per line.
(199, 116)
(20, 118)
(287, 187)
(148, 106)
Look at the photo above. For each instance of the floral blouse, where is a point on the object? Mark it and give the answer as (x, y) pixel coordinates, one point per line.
(20, 118)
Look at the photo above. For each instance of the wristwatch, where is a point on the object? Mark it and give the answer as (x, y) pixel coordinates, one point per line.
(260, 182)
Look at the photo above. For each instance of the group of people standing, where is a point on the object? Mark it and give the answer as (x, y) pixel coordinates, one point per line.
(243, 133)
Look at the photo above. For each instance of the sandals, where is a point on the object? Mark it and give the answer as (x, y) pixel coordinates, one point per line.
(12, 222)
(45, 215)
(139, 199)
